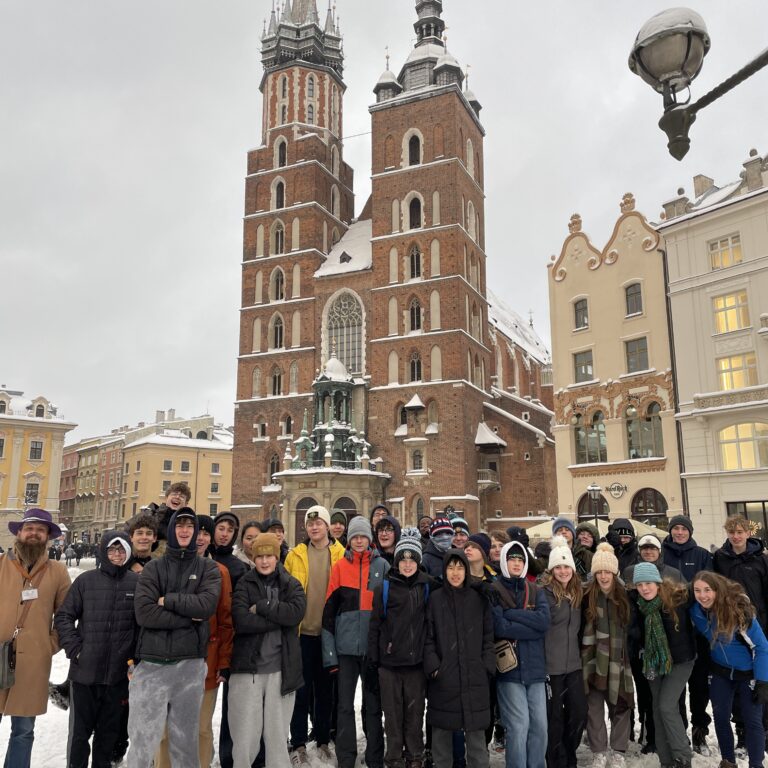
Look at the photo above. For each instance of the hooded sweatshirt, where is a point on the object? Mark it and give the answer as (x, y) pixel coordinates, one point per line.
(750, 569)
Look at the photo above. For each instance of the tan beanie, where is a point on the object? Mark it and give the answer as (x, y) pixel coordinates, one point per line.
(266, 544)
(604, 559)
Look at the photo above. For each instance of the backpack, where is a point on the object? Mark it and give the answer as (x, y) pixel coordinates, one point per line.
(385, 594)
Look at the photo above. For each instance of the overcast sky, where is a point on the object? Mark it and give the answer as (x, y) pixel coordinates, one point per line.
(124, 128)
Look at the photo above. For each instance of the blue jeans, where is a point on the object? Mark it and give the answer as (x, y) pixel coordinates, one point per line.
(19, 753)
(523, 711)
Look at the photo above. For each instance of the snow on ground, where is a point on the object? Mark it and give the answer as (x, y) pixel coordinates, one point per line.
(50, 746)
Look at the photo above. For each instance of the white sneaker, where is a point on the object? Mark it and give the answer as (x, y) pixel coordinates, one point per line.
(617, 760)
(599, 760)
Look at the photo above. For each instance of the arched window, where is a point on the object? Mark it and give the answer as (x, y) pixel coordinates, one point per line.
(311, 87)
(393, 368)
(415, 262)
(274, 466)
(277, 332)
(644, 438)
(256, 383)
(294, 377)
(277, 382)
(282, 154)
(287, 425)
(419, 508)
(415, 367)
(278, 238)
(201, 435)
(345, 331)
(470, 158)
(414, 315)
(284, 87)
(650, 507)
(277, 285)
(414, 213)
(588, 509)
(335, 207)
(280, 195)
(590, 439)
(634, 299)
(432, 412)
(402, 415)
(39, 412)
(284, 114)
(334, 236)
(471, 220)
(311, 114)
(744, 446)
(414, 151)
(335, 161)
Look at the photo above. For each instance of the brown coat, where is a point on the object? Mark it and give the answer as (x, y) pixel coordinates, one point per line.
(37, 641)
(222, 632)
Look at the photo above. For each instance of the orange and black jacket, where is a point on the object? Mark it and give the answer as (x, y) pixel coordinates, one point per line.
(348, 604)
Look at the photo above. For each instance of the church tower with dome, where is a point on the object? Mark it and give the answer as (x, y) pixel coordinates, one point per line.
(374, 364)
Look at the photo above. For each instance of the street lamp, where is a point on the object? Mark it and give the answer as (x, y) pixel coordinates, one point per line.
(668, 53)
(594, 491)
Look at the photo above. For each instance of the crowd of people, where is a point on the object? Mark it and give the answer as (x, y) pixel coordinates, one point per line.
(503, 649)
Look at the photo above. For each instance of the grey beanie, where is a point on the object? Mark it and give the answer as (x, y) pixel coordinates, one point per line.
(359, 526)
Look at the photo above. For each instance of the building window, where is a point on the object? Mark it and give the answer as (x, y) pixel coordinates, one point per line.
(283, 114)
(282, 154)
(288, 425)
(414, 150)
(644, 438)
(136, 486)
(417, 460)
(214, 487)
(167, 465)
(737, 371)
(138, 466)
(2, 447)
(744, 446)
(582, 366)
(277, 286)
(185, 466)
(580, 314)
(215, 468)
(725, 252)
(633, 296)
(414, 213)
(345, 331)
(415, 367)
(731, 312)
(637, 355)
(590, 439)
(166, 486)
(3, 406)
(36, 450)
(277, 382)
(277, 333)
(415, 262)
(402, 416)
(274, 466)
(280, 195)
(588, 509)
(414, 313)
(278, 239)
(32, 493)
(311, 114)
(311, 87)
(39, 412)
(213, 509)
(261, 428)
(650, 507)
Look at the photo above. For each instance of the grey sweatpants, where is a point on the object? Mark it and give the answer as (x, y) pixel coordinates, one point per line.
(256, 709)
(671, 741)
(163, 694)
(619, 714)
(442, 748)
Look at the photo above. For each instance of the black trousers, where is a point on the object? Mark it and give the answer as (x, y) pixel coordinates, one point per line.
(352, 669)
(567, 718)
(314, 697)
(644, 700)
(403, 694)
(94, 710)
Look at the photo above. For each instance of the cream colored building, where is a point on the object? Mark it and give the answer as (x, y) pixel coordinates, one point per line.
(717, 252)
(152, 463)
(614, 422)
(31, 447)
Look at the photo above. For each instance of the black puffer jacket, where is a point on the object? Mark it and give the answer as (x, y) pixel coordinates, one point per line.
(678, 628)
(285, 615)
(459, 649)
(750, 569)
(236, 567)
(190, 586)
(688, 558)
(397, 639)
(96, 623)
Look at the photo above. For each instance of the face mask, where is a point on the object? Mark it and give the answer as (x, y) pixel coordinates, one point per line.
(443, 541)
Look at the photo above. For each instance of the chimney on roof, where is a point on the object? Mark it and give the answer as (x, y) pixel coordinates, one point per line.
(702, 184)
(159, 416)
(677, 206)
(171, 414)
(753, 171)
(142, 424)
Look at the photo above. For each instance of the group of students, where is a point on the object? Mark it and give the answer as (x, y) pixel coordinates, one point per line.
(498, 645)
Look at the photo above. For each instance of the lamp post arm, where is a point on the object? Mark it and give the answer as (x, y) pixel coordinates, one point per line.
(760, 61)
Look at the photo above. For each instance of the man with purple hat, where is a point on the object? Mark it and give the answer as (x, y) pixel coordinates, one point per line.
(32, 588)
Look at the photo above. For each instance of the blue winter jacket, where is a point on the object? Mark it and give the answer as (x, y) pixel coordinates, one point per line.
(525, 625)
(735, 654)
(688, 558)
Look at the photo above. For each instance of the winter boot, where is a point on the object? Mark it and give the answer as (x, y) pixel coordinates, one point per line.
(700, 742)
(599, 760)
(727, 764)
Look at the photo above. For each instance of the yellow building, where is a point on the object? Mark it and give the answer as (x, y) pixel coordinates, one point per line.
(152, 463)
(612, 374)
(31, 447)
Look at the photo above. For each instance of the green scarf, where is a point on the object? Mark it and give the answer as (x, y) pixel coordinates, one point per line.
(657, 661)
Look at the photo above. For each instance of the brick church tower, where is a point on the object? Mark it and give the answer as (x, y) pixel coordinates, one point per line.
(371, 365)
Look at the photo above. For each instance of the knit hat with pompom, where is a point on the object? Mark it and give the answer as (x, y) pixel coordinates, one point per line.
(560, 554)
(604, 559)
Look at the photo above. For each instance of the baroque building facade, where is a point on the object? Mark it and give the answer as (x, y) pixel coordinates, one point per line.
(716, 247)
(374, 364)
(614, 397)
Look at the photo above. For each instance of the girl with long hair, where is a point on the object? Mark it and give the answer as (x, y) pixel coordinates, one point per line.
(567, 704)
(605, 659)
(662, 637)
(724, 615)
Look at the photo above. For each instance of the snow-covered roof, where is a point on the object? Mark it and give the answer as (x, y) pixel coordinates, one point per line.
(352, 253)
(515, 328)
(426, 51)
(182, 441)
(523, 401)
(335, 370)
(712, 200)
(520, 422)
(414, 403)
(486, 436)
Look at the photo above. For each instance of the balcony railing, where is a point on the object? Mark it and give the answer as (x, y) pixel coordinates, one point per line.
(487, 477)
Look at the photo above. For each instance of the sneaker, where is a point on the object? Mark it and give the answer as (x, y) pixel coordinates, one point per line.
(497, 745)
(699, 742)
(325, 754)
(617, 760)
(299, 756)
(599, 760)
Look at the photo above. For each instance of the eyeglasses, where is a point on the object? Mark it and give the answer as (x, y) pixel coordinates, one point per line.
(386, 529)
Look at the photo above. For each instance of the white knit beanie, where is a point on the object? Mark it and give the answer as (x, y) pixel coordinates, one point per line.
(604, 559)
(560, 554)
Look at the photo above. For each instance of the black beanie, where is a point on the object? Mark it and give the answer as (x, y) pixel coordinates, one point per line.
(681, 520)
